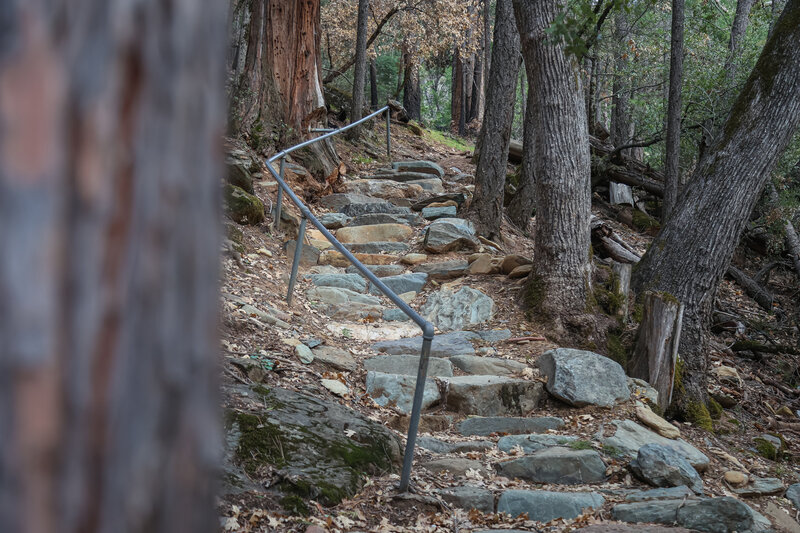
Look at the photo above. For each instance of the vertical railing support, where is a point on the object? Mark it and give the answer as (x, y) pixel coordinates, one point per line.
(298, 250)
(389, 133)
(416, 409)
(279, 201)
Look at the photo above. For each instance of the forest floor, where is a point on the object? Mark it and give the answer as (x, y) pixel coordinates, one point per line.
(762, 386)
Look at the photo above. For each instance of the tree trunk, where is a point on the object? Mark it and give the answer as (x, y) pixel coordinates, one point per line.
(524, 201)
(373, 84)
(560, 280)
(755, 291)
(485, 63)
(690, 255)
(411, 93)
(360, 69)
(109, 203)
(245, 102)
(740, 21)
(791, 238)
(477, 89)
(620, 114)
(490, 173)
(456, 92)
(657, 340)
(622, 287)
(673, 148)
(292, 99)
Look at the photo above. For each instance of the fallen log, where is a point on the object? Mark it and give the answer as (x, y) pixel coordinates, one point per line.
(758, 293)
(603, 237)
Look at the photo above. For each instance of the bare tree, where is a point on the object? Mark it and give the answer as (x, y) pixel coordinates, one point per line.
(673, 148)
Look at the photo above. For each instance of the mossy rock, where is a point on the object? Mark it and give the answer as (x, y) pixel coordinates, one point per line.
(242, 207)
(766, 449)
(697, 413)
(320, 450)
(644, 222)
(415, 128)
(239, 175)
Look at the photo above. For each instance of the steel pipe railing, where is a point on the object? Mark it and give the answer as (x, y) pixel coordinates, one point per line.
(307, 215)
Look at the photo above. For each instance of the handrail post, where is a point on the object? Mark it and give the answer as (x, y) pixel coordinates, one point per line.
(416, 409)
(388, 133)
(279, 201)
(298, 250)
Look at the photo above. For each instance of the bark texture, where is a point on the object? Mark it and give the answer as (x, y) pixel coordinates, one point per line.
(673, 148)
(690, 255)
(109, 204)
(560, 280)
(360, 70)
(738, 29)
(373, 84)
(490, 173)
(412, 101)
(521, 207)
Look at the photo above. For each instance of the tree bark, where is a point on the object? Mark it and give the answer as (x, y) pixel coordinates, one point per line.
(738, 29)
(791, 239)
(620, 115)
(373, 84)
(758, 293)
(457, 91)
(560, 280)
(109, 204)
(523, 203)
(673, 148)
(360, 70)
(246, 97)
(411, 93)
(690, 255)
(490, 173)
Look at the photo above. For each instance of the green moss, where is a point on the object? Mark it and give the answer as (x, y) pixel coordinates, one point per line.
(697, 413)
(534, 293)
(260, 443)
(766, 449)
(637, 312)
(580, 445)
(362, 457)
(714, 409)
(612, 451)
(643, 222)
(242, 207)
(616, 349)
(295, 505)
(678, 383)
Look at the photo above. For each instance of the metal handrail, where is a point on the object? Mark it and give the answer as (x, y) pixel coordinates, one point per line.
(427, 327)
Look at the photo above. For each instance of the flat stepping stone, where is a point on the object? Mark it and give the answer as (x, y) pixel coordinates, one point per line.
(395, 315)
(562, 466)
(534, 442)
(543, 506)
(336, 358)
(433, 185)
(369, 219)
(664, 467)
(444, 270)
(403, 177)
(671, 493)
(379, 270)
(402, 284)
(493, 336)
(337, 201)
(440, 446)
(492, 395)
(427, 167)
(433, 213)
(445, 345)
(374, 233)
(407, 365)
(724, 514)
(450, 235)
(335, 258)
(494, 366)
(378, 247)
(381, 206)
(580, 378)
(457, 466)
(457, 197)
(451, 310)
(793, 495)
(344, 303)
(383, 188)
(309, 255)
(352, 282)
(469, 497)
(334, 220)
(394, 390)
(484, 426)
(630, 437)
(759, 486)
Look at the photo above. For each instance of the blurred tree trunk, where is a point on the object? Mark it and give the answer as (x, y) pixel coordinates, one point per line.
(112, 113)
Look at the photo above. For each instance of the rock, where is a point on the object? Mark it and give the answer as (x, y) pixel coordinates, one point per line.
(533, 442)
(394, 390)
(520, 272)
(444, 270)
(414, 259)
(339, 201)
(377, 247)
(727, 374)
(483, 426)
(782, 519)
(457, 466)
(352, 282)
(439, 446)
(445, 345)
(642, 390)
(373, 233)
(772, 439)
(407, 365)
(243, 207)
(512, 261)
(623, 528)
(395, 315)
(735, 478)
(433, 213)
(426, 167)
(793, 495)
(581, 378)
(557, 465)
(380, 188)
(402, 283)
(493, 366)
(664, 467)
(239, 175)
(334, 258)
(309, 255)
(431, 184)
(468, 497)
(336, 358)
(671, 493)
(660, 511)
(344, 303)
(449, 310)
(335, 386)
(647, 417)
(381, 271)
(301, 438)
(378, 206)
(481, 265)
(715, 515)
(544, 506)
(403, 177)
(450, 234)
(493, 336)
(458, 197)
(386, 218)
(492, 395)
(630, 436)
(304, 353)
(759, 486)
(334, 220)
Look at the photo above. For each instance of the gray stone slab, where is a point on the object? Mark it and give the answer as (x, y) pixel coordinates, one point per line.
(433, 213)
(445, 345)
(375, 206)
(492, 395)
(407, 365)
(386, 218)
(534, 442)
(630, 436)
(493, 366)
(451, 310)
(544, 506)
(393, 390)
(793, 495)
(558, 465)
(665, 467)
(395, 315)
(352, 282)
(469, 497)
(483, 426)
(377, 247)
(402, 283)
(581, 378)
(671, 493)
(439, 446)
(335, 357)
(379, 270)
(426, 167)
(444, 270)
(334, 220)
(337, 201)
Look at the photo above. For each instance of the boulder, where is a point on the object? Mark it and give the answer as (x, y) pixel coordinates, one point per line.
(402, 283)
(558, 465)
(664, 467)
(445, 345)
(543, 506)
(408, 365)
(450, 234)
(394, 390)
(512, 261)
(374, 233)
(469, 497)
(334, 220)
(581, 378)
(336, 358)
(492, 366)
(352, 282)
(426, 167)
(630, 436)
(534, 442)
(492, 395)
(309, 255)
(452, 310)
(243, 207)
(444, 270)
(483, 426)
(434, 213)
(761, 486)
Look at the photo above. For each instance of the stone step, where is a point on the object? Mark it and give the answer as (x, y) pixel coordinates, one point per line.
(374, 233)
(444, 270)
(408, 365)
(344, 303)
(450, 235)
(433, 185)
(543, 506)
(377, 247)
(451, 310)
(334, 258)
(440, 446)
(427, 167)
(334, 220)
(492, 395)
(403, 177)
(383, 188)
(352, 282)
(445, 345)
(380, 206)
(562, 466)
(402, 283)
(457, 466)
(379, 270)
(711, 514)
(469, 497)
(457, 197)
(368, 219)
(339, 201)
(484, 426)
(534, 442)
(492, 366)
(630, 437)
(433, 213)
(395, 390)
